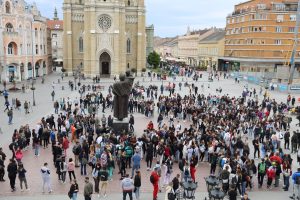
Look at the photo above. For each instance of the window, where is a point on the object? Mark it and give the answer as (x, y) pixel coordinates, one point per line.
(21, 49)
(278, 42)
(35, 32)
(243, 19)
(10, 49)
(232, 20)
(291, 29)
(36, 49)
(9, 27)
(7, 7)
(279, 18)
(54, 35)
(280, 6)
(228, 21)
(44, 49)
(80, 41)
(293, 17)
(128, 3)
(128, 46)
(261, 6)
(278, 29)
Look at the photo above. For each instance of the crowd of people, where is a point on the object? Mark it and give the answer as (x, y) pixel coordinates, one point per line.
(240, 137)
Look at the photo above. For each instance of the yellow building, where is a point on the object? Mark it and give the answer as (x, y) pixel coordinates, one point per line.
(188, 45)
(104, 37)
(260, 35)
(211, 49)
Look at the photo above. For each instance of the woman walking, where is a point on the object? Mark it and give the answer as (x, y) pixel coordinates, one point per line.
(137, 184)
(22, 177)
(73, 190)
(71, 169)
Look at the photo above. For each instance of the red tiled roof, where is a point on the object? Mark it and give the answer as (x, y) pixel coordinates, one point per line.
(55, 24)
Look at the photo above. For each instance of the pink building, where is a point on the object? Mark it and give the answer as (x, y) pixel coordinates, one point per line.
(23, 41)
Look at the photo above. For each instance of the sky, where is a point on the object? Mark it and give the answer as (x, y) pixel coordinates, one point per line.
(170, 17)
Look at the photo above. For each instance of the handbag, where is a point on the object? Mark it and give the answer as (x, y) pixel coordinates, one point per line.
(171, 196)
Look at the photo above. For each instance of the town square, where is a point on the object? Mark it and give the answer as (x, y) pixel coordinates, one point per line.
(99, 101)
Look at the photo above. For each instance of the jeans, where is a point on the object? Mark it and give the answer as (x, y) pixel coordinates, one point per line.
(70, 175)
(12, 181)
(63, 176)
(286, 182)
(244, 187)
(36, 149)
(137, 192)
(10, 119)
(134, 167)
(260, 179)
(125, 194)
(74, 196)
(83, 169)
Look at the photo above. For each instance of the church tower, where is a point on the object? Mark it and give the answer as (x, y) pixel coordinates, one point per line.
(104, 37)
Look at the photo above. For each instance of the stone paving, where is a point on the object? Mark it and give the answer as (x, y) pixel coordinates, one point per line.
(45, 107)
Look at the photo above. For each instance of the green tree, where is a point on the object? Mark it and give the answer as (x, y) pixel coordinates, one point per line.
(153, 59)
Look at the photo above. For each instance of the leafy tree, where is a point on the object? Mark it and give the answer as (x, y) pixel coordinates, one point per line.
(153, 59)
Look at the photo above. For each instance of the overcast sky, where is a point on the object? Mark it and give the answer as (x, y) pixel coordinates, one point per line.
(170, 17)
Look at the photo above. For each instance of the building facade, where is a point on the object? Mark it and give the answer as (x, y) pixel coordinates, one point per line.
(211, 49)
(188, 45)
(104, 37)
(150, 39)
(260, 35)
(56, 33)
(23, 39)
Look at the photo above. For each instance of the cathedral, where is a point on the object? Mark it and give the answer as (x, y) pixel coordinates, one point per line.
(104, 37)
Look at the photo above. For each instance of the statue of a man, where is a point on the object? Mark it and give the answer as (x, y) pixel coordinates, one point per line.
(121, 91)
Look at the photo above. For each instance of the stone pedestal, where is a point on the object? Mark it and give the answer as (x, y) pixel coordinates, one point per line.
(120, 126)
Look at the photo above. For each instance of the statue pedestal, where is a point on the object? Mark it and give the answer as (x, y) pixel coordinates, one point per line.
(120, 126)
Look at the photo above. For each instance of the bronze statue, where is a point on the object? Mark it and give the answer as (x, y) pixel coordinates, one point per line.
(121, 91)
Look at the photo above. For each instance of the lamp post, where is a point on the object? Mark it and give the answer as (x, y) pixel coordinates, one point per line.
(189, 189)
(211, 182)
(217, 194)
(33, 88)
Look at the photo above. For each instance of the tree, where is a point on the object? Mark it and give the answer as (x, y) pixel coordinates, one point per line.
(153, 59)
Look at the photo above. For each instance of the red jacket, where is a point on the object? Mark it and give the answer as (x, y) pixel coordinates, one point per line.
(156, 177)
(271, 172)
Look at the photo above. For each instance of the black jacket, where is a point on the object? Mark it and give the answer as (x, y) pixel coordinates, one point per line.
(12, 169)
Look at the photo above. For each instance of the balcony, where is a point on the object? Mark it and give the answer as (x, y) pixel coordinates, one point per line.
(10, 34)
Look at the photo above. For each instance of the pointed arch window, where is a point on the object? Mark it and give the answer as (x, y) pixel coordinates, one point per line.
(128, 49)
(9, 27)
(80, 43)
(7, 7)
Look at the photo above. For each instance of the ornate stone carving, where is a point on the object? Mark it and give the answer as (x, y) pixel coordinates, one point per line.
(131, 19)
(104, 22)
(76, 17)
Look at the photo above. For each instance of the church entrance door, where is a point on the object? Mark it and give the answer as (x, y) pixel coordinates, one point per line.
(105, 64)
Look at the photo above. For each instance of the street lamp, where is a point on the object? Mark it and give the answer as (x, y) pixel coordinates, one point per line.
(217, 194)
(211, 182)
(189, 189)
(33, 88)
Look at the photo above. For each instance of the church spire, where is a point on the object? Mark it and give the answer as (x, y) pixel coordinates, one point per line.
(55, 14)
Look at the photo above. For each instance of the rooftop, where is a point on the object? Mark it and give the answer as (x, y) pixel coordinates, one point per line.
(55, 24)
(214, 37)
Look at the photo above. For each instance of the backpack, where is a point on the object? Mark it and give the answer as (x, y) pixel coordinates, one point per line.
(297, 180)
(262, 168)
(234, 180)
(152, 179)
(171, 195)
(186, 172)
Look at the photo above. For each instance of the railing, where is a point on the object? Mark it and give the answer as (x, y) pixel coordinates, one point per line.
(5, 33)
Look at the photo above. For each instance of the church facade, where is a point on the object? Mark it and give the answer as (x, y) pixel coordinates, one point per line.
(104, 37)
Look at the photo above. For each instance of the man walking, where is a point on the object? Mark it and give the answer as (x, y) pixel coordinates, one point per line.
(136, 161)
(53, 94)
(88, 189)
(154, 179)
(131, 123)
(12, 171)
(127, 187)
(10, 115)
(45, 171)
(261, 172)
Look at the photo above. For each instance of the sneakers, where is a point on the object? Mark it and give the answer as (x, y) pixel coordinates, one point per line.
(50, 191)
(28, 189)
(22, 190)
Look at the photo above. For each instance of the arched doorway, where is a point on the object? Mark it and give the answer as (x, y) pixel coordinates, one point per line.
(36, 69)
(105, 64)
